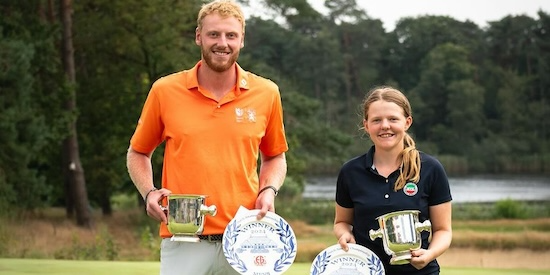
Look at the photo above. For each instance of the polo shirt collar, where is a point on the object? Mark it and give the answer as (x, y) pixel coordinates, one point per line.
(242, 79)
(369, 162)
(370, 159)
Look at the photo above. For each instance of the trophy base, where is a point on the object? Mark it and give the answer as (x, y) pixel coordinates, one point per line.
(401, 258)
(185, 238)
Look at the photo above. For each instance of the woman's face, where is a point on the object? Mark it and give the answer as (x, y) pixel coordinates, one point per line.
(386, 125)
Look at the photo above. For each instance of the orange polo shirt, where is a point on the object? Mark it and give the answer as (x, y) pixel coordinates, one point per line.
(212, 147)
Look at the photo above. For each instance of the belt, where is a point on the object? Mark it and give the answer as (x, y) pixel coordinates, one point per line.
(212, 238)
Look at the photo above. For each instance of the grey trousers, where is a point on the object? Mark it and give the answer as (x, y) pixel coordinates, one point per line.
(186, 258)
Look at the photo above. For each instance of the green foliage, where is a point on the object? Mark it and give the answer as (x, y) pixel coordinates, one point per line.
(479, 96)
(502, 209)
(4, 239)
(149, 240)
(448, 100)
(291, 189)
(24, 128)
(123, 201)
(474, 211)
(134, 43)
(416, 37)
(103, 248)
(510, 209)
(454, 165)
(309, 211)
(322, 211)
(310, 140)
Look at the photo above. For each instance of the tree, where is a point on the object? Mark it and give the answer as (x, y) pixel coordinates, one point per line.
(361, 45)
(21, 127)
(414, 38)
(31, 122)
(72, 167)
(519, 60)
(448, 104)
(122, 47)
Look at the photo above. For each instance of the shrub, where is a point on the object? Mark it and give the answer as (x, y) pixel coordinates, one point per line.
(309, 211)
(510, 209)
(149, 240)
(103, 248)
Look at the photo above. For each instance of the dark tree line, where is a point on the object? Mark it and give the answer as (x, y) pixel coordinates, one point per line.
(480, 95)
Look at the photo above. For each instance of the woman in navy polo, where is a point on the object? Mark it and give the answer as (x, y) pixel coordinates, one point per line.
(393, 176)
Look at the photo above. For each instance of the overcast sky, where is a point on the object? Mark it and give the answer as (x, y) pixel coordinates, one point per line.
(478, 11)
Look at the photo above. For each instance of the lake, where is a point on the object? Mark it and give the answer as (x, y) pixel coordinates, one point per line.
(464, 189)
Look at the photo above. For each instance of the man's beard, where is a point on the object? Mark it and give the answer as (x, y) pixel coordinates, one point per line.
(209, 57)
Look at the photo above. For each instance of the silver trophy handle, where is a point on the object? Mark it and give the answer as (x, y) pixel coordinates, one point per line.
(210, 210)
(424, 226)
(375, 234)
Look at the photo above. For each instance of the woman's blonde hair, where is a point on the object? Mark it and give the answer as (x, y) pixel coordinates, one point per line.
(225, 8)
(410, 157)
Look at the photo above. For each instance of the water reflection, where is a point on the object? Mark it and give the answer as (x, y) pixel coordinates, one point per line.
(466, 189)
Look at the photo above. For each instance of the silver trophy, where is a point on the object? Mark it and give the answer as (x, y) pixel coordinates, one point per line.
(186, 216)
(400, 232)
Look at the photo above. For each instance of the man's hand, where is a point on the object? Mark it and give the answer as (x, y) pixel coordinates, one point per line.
(153, 207)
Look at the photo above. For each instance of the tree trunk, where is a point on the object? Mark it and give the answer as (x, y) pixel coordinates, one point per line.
(105, 201)
(348, 64)
(72, 168)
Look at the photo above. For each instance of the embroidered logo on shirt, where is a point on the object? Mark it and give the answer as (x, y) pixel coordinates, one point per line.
(245, 115)
(410, 189)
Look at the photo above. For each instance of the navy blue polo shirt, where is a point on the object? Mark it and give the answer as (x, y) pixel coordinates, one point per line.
(359, 186)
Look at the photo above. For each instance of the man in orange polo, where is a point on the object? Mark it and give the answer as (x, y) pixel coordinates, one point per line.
(216, 120)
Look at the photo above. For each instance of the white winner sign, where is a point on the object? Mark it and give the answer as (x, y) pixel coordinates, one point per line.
(259, 247)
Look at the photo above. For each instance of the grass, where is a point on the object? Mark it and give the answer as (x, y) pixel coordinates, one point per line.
(58, 267)
(532, 234)
(503, 225)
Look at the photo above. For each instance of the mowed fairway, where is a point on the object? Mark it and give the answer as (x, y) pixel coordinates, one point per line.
(58, 267)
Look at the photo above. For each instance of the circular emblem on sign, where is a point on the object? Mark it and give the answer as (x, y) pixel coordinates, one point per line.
(410, 189)
(260, 261)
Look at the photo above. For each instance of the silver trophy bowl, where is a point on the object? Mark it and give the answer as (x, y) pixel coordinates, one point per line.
(400, 233)
(186, 216)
